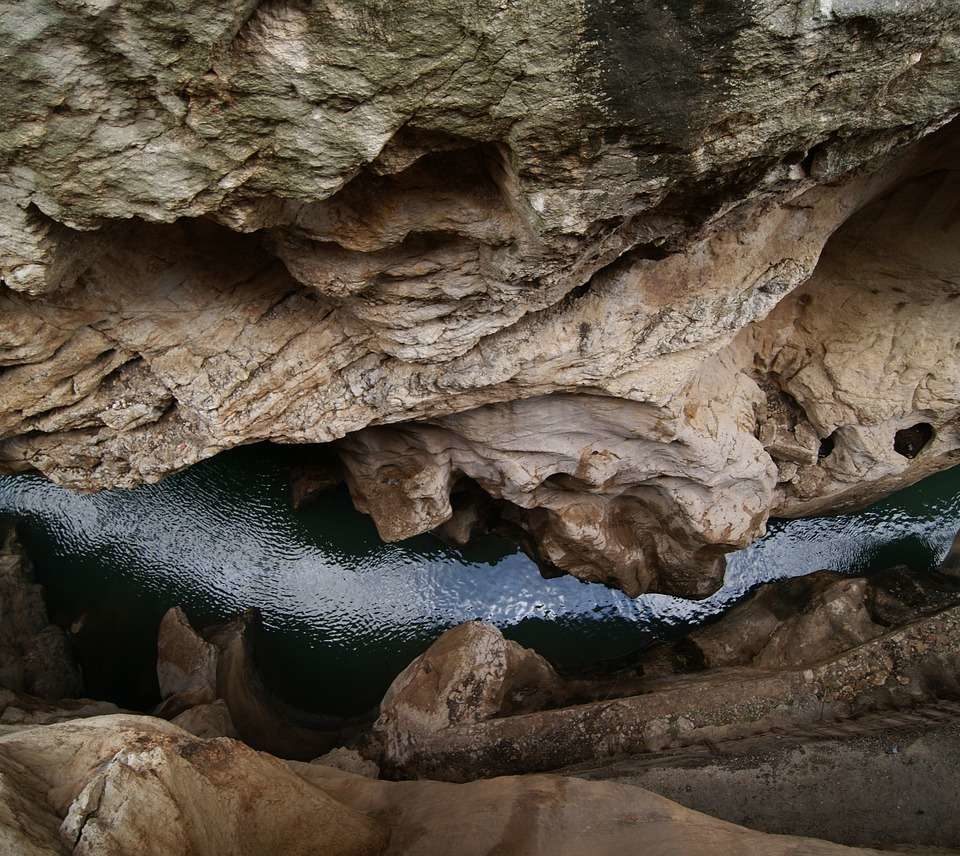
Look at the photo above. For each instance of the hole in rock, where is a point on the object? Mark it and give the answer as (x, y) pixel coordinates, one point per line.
(827, 445)
(909, 442)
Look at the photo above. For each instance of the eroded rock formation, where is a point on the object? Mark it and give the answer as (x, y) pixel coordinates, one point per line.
(798, 653)
(122, 785)
(211, 686)
(278, 221)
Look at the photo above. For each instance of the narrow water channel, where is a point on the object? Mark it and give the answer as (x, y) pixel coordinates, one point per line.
(343, 612)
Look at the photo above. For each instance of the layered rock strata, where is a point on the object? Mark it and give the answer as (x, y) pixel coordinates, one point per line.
(812, 783)
(847, 389)
(798, 653)
(282, 221)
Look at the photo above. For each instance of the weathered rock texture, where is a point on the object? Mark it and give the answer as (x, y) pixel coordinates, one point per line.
(136, 786)
(124, 785)
(239, 221)
(913, 664)
(804, 621)
(814, 783)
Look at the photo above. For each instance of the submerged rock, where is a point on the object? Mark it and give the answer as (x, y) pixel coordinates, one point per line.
(643, 277)
(35, 655)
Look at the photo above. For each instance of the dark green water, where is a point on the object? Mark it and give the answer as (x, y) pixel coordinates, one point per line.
(344, 612)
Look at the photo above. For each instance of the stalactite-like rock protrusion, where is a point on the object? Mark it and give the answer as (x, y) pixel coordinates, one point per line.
(574, 249)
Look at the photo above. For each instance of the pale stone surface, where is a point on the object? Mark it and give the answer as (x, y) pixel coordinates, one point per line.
(186, 663)
(123, 785)
(207, 720)
(239, 222)
(350, 761)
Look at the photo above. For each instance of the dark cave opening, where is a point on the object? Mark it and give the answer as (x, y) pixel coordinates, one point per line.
(909, 442)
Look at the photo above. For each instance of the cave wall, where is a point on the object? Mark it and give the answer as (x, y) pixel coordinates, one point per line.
(542, 238)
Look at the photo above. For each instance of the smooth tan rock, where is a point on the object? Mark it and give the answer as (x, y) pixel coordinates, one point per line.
(122, 785)
(207, 720)
(547, 815)
(186, 662)
(136, 785)
(470, 674)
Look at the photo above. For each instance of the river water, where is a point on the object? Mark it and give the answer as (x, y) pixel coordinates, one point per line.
(344, 612)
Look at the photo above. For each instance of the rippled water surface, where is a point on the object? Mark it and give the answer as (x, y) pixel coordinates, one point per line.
(344, 612)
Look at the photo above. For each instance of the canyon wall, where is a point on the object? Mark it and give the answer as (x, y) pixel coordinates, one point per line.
(624, 277)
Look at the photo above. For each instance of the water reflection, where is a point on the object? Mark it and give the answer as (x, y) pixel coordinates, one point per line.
(344, 612)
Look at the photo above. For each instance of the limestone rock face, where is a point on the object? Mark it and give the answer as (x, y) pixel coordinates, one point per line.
(242, 221)
(35, 656)
(137, 786)
(470, 674)
(211, 687)
(207, 720)
(186, 662)
(784, 688)
(124, 785)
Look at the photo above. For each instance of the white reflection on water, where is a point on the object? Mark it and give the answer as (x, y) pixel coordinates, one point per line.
(225, 537)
